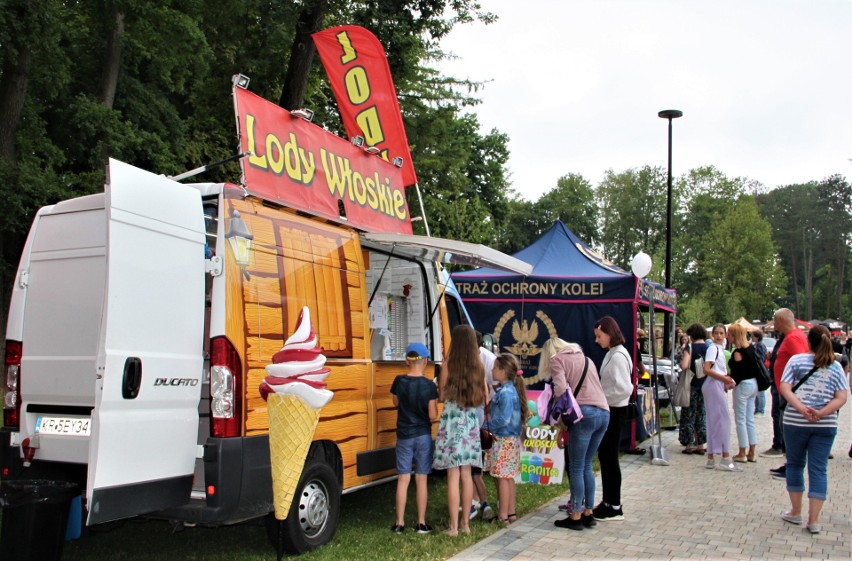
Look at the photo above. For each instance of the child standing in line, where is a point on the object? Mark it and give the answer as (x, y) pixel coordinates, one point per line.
(416, 400)
(509, 412)
(457, 446)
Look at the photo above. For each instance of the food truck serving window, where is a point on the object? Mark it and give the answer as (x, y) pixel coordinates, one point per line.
(399, 305)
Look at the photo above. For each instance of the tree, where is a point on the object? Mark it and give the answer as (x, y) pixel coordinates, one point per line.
(573, 202)
(811, 224)
(742, 270)
(633, 214)
(702, 199)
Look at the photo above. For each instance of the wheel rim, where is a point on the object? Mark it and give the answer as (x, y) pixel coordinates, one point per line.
(313, 508)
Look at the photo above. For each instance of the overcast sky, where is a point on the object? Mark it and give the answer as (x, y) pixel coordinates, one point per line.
(765, 86)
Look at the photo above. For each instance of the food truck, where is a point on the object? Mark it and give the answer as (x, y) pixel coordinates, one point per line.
(142, 320)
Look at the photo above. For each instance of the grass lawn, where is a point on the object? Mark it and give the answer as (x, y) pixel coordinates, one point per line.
(363, 532)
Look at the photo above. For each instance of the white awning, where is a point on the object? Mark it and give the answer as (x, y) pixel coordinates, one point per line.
(448, 251)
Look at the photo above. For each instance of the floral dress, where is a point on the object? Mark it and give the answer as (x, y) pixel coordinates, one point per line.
(457, 443)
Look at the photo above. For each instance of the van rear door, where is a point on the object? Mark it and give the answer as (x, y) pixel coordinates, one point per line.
(150, 359)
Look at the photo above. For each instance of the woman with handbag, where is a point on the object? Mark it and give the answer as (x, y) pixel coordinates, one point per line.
(814, 387)
(570, 368)
(693, 424)
(617, 382)
(744, 372)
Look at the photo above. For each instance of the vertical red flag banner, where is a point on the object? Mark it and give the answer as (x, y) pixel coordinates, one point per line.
(358, 71)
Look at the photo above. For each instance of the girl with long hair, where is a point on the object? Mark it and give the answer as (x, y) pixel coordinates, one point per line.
(810, 423)
(744, 372)
(457, 446)
(509, 412)
(571, 368)
(716, 384)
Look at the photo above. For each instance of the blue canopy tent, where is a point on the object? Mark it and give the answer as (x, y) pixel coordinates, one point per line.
(570, 288)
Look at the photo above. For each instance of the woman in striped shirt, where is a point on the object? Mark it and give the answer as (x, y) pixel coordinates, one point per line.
(815, 388)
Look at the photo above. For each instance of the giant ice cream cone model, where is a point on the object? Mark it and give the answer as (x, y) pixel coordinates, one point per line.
(295, 393)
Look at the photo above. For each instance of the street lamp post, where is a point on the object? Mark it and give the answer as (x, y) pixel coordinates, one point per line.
(668, 114)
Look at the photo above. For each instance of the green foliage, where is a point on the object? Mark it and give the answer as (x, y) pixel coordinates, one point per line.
(812, 226)
(742, 275)
(633, 214)
(694, 310)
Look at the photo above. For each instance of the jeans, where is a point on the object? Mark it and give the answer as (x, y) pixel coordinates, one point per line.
(608, 456)
(809, 445)
(744, 395)
(583, 441)
(760, 403)
(777, 430)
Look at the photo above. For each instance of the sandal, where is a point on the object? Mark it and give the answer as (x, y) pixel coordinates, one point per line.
(512, 518)
(699, 451)
(450, 532)
(688, 450)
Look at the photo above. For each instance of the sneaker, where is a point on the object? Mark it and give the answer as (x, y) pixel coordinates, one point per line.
(791, 518)
(487, 512)
(606, 513)
(397, 529)
(423, 529)
(566, 507)
(779, 472)
(729, 466)
(569, 523)
(711, 464)
(474, 512)
(588, 520)
(814, 528)
(772, 453)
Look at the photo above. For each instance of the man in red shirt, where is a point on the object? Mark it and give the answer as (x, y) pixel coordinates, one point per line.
(793, 342)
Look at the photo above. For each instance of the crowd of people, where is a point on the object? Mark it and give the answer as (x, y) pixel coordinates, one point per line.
(480, 390)
(809, 385)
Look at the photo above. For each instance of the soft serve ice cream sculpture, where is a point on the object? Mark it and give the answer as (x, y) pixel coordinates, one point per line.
(294, 390)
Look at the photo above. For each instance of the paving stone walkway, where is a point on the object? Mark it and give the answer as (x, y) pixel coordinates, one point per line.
(684, 511)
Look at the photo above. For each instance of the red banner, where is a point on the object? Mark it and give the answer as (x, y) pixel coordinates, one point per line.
(358, 71)
(307, 168)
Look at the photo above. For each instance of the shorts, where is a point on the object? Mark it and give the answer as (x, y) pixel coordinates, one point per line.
(416, 451)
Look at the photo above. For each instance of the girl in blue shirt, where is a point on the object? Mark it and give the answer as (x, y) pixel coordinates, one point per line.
(509, 412)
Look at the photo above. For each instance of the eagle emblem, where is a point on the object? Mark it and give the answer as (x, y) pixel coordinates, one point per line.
(525, 336)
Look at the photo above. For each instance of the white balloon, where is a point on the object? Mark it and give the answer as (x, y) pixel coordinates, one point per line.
(641, 264)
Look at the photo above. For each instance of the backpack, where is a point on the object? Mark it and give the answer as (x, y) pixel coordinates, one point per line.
(763, 378)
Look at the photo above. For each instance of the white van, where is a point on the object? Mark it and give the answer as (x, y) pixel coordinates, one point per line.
(140, 325)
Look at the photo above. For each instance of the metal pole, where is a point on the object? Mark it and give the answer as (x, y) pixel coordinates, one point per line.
(422, 210)
(667, 323)
(669, 216)
(658, 453)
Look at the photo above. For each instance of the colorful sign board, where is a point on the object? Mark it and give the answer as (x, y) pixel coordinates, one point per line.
(300, 165)
(542, 460)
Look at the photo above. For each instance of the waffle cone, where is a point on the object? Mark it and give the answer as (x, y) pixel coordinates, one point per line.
(291, 429)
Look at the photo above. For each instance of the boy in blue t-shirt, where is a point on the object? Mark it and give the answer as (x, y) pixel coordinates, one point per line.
(416, 400)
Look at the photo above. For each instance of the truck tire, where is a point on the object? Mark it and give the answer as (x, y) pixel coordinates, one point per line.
(313, 516)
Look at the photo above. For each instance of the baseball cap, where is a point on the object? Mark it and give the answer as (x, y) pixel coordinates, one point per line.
(416, 350)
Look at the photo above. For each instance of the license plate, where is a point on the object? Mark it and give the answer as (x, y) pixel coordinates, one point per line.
(64, 426)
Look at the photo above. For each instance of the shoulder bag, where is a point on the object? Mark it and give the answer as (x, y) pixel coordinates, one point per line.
(763, 378)
(682, 393)
(486, 439)
(576, 392)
